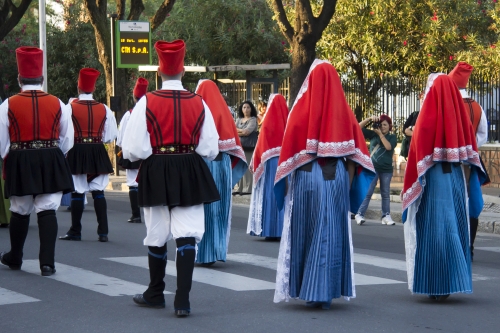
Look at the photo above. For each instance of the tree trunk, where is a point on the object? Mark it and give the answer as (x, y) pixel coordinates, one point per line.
(7, 23)
(302, 58)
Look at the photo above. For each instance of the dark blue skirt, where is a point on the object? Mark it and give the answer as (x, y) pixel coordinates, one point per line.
(320, 250)
(442, 257)
(213, 246)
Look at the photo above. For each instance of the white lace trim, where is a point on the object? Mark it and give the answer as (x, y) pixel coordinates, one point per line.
(410, 232)
(466, 153)
(282, 291)
(230, 214)
(270, 153)
(229, 146)
(255, 214)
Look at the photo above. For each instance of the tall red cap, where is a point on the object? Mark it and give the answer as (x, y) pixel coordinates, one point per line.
(87, 79)
(29, 62)
(171, 56)
(461, 73)
(141, 87)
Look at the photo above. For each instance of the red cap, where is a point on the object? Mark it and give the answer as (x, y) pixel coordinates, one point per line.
(29, 62)
(171, 56)
(141, 87)
(461, 73)
(87, 79)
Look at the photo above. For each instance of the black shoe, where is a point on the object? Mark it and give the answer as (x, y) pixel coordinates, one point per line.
(103, 239)
(139, 300)
(70, 237)
(207, 264)
(134, 219)
(4, 225)
(3, 261)
(441, 297)
(182, 313)
(47, 270)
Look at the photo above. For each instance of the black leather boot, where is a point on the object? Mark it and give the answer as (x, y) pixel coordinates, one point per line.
(153, 296)
(47, 231)
(18, 231)
(186, 252)
(134, 204)
(101, 212)
(77, 205)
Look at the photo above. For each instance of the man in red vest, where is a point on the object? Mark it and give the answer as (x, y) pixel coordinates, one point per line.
(171, 129)
(35, 133)
(460, 75)
(94, 125)
(132, 168)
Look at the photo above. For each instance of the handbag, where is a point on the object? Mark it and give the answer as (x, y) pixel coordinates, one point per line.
(249, 141)
(405, 147)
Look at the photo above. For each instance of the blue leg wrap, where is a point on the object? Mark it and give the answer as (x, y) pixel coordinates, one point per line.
(185, 247)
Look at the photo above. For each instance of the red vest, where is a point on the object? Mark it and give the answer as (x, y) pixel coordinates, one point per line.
(174, 117)
(89, 118)
(474, 112)
(34, 115)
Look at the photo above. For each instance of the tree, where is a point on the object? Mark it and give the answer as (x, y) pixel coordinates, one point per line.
(10, 15)
(97, 10)
(311, 19)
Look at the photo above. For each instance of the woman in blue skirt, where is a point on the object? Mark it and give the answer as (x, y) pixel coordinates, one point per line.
(442, 171)
(227, 169)
(265, 219)
(325, 170)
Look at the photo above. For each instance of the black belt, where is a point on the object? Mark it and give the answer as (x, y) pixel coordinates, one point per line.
(90, 139)
(37, 144)
(174, 149)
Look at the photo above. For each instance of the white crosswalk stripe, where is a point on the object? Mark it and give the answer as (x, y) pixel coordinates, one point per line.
(490, 248)
(89, 280)
(11, 297)
(272, 263)
(205, 275)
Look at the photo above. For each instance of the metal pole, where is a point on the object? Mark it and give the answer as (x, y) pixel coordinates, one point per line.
(112, 21)
(42, 21)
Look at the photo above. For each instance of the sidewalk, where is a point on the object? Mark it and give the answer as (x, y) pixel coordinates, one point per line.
(489, 220)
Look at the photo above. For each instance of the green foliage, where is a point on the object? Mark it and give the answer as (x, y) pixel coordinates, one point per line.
(411, 37)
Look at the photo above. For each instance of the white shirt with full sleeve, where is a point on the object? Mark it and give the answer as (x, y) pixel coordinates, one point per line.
(25, 205)
(482, 128)
(131, 174)
(162, 223)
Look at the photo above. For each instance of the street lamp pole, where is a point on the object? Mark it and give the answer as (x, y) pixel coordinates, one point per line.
(42, 22)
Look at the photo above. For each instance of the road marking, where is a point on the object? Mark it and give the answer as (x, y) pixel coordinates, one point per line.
(11, 297)
(89, 280)
(491, 249)
(272, 263)
(205, 275)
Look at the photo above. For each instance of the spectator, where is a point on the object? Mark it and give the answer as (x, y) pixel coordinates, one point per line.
(246, 125)
(409, 125)
(262, 108)
(382, 144)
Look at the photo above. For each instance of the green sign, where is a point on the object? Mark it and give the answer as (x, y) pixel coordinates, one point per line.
(133, 44)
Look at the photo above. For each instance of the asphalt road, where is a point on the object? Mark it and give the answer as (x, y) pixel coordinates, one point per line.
(91, 291)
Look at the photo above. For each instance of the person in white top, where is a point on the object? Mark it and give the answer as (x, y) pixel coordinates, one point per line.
(132, 168)
(94, 125)
(171, 129)
(35, 132)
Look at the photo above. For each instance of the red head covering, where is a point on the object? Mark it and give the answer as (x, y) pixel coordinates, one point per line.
(29, 62)
(229, 141)
(271, 134)
(141, 87)
(385, 117)
(443, 133)
(171, 56)
(87, 79)
(321, 124)
(461, 73)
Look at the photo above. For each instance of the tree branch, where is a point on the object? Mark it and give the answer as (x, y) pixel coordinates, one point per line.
(161, 14)
(327, 12)
(284, 24)
(136, 9)
(120, 9)
(16, 15)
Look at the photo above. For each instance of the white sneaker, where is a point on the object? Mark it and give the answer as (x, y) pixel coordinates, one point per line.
(359, 219)
(388, 220)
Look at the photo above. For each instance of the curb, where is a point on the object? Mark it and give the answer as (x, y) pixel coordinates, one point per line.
(488, 224)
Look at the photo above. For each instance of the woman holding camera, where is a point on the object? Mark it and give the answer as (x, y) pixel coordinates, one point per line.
(382, 144)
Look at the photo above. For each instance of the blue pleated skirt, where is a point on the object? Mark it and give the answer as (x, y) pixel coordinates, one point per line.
(213, 246)
(320, 250)
(272, 217)
(442, 257)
